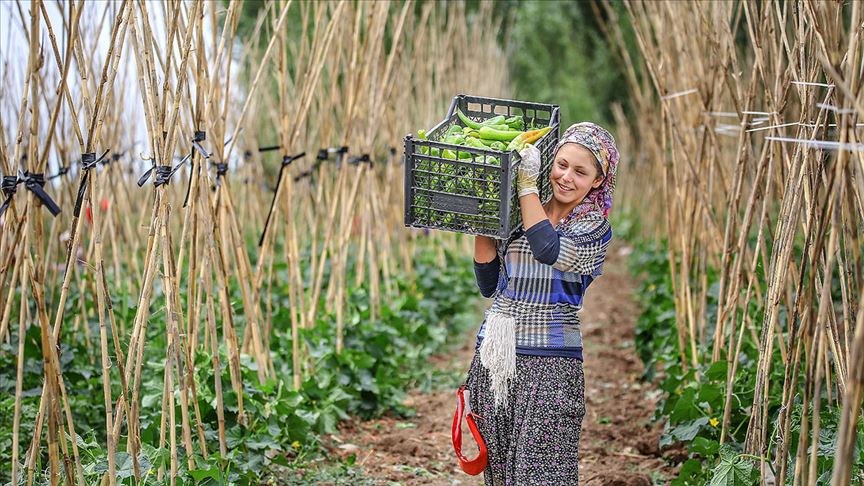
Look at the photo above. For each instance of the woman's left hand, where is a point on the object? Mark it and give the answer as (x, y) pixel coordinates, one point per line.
(529, 171)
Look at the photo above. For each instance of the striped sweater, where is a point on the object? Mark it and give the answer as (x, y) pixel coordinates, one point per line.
(545, 298)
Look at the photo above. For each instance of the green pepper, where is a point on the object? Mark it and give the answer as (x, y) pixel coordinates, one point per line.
(467, 121)
(453, 130)
(456, 139)
(499, 126)
(475, 143)
(515, 122)
(495, 120)
(500, 135)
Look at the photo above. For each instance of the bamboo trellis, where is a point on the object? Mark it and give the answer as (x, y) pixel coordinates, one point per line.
(203, 95)
(760, 163)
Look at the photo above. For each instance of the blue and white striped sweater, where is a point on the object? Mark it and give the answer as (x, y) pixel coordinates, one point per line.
(545, 299)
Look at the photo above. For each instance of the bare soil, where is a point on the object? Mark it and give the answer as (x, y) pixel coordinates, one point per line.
(620, 440)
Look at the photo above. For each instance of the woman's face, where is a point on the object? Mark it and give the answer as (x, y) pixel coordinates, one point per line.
(574, 173)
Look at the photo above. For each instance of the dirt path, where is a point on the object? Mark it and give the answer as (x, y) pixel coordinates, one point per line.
(619, 439)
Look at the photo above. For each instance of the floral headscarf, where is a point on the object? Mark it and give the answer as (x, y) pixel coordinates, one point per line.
(601, 143)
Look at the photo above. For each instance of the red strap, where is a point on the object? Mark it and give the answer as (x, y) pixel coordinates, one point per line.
(478, 464)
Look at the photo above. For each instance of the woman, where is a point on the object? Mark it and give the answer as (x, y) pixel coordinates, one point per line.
(525, 381)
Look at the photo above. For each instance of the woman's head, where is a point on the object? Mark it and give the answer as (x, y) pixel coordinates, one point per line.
(583, 170)
(574, 173)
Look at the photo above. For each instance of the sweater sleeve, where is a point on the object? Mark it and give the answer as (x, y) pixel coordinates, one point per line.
(583, 245)
(544, 242)
(579, 248)
(487, 276)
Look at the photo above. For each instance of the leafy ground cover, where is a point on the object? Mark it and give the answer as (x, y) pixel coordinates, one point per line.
(693, 400)
(281, 427)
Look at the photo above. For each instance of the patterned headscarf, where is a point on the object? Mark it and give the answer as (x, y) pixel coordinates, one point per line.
(601, 143)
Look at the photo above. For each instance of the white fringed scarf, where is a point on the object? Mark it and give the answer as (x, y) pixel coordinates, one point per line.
(498, 354)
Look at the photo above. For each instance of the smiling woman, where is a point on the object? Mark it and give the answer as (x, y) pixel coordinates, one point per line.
(574, 173)
(526, 380)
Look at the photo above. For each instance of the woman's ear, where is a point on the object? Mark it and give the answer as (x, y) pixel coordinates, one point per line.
(597, 182)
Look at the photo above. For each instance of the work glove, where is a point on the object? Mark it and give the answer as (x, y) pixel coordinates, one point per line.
(529, 171)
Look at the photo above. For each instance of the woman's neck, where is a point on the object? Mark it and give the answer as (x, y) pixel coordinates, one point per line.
(556, 211)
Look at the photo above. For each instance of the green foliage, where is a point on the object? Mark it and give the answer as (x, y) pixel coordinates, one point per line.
(558, 54)
(692, 409)
(383, 358)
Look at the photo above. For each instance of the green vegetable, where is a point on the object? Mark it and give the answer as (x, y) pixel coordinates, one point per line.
(500, 135)
(467, 121)
(456, 139)
(495, 120)
(499, 126)
(515, 122)
(475, 142)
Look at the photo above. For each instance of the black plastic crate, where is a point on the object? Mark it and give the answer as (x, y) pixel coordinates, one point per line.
(475, 194)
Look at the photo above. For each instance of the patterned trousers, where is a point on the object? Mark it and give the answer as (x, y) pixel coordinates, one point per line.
(534, 439)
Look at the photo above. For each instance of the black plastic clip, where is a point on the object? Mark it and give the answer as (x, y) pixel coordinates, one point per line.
(34, 183)
(60, 172)
(361, 159)
(163, 175)
(9, 184)
(340, 155)
(200, 136)
(286, 161)
(88, 161)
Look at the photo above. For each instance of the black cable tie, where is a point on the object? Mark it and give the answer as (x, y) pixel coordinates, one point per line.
(163, 175)
(221, 168)
(34, 183)
(88, 161)
(221, 171)
(302, 175)
(323, 154)
(269, 148)
(286, 161)
(340, 155)
(60, 172)
(143, 179)
(181, 163)
(199, 137)
(9, 184)
(361, 159)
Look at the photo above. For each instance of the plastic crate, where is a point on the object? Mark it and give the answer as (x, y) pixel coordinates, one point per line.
(477, 194)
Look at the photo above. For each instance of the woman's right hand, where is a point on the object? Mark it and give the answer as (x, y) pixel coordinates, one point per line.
(529, 171)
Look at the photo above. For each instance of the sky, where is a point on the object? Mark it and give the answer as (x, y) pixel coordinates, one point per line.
(14, 54)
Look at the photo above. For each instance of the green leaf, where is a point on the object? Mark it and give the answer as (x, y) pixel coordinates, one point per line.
(201, 474)
(704, 447)
(734, 472)
(718, 371)
(690, 471)
(686, 432)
